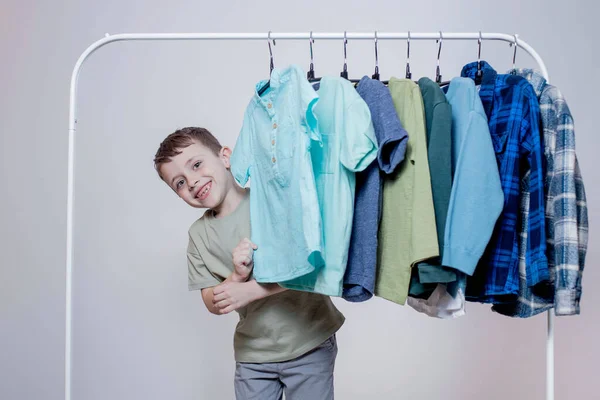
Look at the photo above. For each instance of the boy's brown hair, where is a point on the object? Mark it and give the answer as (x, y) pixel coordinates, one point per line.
(182, 138)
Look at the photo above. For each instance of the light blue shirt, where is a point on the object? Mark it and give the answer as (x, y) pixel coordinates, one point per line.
(349, 145)
(273, 150)
(476, 199)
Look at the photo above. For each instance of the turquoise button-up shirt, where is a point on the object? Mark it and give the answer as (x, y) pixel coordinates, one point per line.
(349, 145)
(273, 150)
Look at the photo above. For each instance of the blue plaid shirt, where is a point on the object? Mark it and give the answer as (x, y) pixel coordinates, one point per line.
(513, 112)
(566, 212)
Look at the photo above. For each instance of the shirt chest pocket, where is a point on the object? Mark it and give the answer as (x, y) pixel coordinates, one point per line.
(287, 137)
(281, 143)
(276, 141)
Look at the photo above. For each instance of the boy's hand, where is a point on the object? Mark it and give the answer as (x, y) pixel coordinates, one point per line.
(230, 296)
(242, 260)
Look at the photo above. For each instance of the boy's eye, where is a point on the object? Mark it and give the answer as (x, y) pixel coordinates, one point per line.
(179, 184)
(197, 164)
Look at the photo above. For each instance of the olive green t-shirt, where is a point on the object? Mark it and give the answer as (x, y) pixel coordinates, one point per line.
(277, 328)
(407, 233)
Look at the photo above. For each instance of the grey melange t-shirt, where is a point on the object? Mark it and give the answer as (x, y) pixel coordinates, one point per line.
(277, 328)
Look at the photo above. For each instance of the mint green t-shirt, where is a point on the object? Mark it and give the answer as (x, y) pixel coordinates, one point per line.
(277, 328)
(348, 145)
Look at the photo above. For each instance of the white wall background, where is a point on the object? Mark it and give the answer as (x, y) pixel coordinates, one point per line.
(137, 332)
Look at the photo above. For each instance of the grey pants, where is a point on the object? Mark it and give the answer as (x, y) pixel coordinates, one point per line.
(308, 377)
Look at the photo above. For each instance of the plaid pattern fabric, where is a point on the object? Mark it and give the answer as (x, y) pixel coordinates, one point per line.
(566, 212)
(513, 112)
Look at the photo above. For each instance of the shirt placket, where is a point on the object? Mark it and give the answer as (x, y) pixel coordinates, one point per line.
(273, 118)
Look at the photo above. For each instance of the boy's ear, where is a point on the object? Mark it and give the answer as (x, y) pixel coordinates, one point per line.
(225, 155)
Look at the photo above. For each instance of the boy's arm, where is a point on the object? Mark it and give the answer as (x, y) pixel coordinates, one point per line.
(230, 295)
(208, 293)
(236, 292)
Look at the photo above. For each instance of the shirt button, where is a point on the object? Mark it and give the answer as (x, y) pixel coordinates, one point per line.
(274, 126)
(269, 105)
(273, 159)
(273, 142)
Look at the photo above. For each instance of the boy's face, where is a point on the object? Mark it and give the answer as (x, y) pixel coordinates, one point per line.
(198, 176)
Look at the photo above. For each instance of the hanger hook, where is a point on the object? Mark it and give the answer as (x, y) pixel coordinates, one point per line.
(311, 41)
(272, 64)
(344, 73)
(479, 51)
(479, 74)
(408, 74)
(345, 43)
(440, 45)
(376, 74)
(516, 44)
(438, 75)
(311, 72)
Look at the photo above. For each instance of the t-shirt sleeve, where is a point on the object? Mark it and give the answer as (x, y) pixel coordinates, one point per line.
(392, 135)
(199, 277)
(359, 144)
(308, 100)
(241, 158)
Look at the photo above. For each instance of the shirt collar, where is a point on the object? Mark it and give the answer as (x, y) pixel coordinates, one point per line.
(365, 80)
(533, 77)
(274, 81)
(279, 76)
(488, 81)
(489, 73)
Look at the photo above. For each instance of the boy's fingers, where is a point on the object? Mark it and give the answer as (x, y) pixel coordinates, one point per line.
(218, 289)
(218, 297)
(249, 242)
(242, 259)
(241, 262)
(222, 304)
(227, 309)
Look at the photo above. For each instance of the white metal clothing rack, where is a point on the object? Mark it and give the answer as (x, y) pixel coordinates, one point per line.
(257, 36)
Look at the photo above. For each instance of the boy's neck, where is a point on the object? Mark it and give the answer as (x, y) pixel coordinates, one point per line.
(230, 203)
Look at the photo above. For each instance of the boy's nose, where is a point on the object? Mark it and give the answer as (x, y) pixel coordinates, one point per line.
(193, 186)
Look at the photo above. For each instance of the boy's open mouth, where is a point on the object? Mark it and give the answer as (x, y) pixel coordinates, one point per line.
(204, 191)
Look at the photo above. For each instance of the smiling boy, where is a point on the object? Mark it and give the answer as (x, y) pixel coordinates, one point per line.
(285, 340)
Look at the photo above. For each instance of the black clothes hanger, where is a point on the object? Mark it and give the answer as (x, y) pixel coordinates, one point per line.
(271, 65)
(310, 75)
(344, 73)
(376, 73)
(479, 73)
(438, 74)
(514, 68)
(408, 73)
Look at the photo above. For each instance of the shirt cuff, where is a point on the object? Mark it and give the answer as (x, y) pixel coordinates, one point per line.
(566, 302)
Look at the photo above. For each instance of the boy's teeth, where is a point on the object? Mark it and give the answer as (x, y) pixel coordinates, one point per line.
(204, 191)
